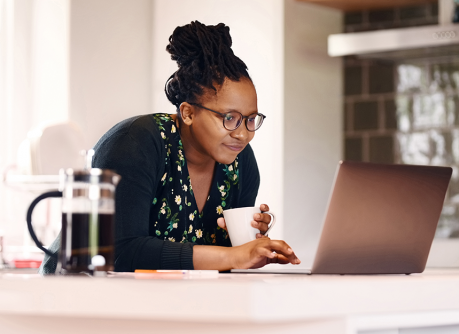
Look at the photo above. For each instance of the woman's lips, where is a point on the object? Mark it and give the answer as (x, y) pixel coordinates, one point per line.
(236, 148)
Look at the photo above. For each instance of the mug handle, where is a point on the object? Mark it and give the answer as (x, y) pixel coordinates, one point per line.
(29, 219)
(272, 222)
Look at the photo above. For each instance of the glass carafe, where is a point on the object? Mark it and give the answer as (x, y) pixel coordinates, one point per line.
(88, 226)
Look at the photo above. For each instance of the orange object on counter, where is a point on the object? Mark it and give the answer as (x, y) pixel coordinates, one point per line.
(27, 263)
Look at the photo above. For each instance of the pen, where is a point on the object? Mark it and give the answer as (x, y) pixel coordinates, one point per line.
(145, 271)
(193, 273)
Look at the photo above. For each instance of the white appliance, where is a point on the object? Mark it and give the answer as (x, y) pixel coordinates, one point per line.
(48, 147)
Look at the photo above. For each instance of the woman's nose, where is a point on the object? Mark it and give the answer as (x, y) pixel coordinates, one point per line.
(241, 132)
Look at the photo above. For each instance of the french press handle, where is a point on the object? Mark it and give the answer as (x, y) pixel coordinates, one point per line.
(48, 194)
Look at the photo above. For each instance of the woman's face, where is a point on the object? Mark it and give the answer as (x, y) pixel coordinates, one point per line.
(211, 137)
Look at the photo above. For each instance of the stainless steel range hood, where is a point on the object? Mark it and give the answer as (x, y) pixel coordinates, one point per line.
(425, 41)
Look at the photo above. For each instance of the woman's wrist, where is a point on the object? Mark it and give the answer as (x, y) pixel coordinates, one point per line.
(213, 258)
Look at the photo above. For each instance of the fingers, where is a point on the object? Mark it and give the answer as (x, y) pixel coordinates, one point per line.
(264, 207)
(262, 218)
(261, 221)
(279, 258)
(221, 223)
(260, 236)
(263, 227)
(266, 253)
(284, 252)
(262, 251)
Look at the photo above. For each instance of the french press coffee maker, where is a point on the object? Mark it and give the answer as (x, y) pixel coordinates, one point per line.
(88, 213)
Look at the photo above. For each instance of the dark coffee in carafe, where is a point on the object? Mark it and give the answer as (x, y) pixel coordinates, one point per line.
(86, 236)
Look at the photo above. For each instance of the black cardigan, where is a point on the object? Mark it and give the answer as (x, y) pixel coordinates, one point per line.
(134, 149)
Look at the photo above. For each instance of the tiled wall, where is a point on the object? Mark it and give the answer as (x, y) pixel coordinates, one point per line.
(405, 111)
(370, 112)
(391, 18)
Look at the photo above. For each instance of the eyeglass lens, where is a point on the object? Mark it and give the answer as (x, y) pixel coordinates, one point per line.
(233, 120)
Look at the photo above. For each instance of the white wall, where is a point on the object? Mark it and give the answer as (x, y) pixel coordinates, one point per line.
(85, 60)
(110, 63)
(313, 125)
(257, 31)
(50, 54)
(33, 88)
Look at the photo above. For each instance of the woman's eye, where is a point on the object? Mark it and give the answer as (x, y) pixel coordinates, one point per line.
(229, 117)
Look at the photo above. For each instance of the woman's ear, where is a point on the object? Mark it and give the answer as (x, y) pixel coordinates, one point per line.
(186, 113)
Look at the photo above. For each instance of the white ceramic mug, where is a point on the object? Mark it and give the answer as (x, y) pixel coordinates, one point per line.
(238, 224)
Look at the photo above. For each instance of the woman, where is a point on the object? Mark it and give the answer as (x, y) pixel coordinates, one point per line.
(179, 172)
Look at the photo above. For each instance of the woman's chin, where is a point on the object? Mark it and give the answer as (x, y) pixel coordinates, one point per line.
(226, 160)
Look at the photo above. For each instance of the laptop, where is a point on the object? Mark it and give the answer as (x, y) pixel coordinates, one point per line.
(381, 219)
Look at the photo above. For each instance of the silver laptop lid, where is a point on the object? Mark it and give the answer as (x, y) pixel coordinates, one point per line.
(381, 219)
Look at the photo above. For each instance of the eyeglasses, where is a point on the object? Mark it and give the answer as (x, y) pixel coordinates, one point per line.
(233, 119)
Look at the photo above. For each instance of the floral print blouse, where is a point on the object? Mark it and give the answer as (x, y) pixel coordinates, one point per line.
(176, 217)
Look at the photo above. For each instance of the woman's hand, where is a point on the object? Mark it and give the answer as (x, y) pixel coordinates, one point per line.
(254, 254)
(260, 221)
(260, 252)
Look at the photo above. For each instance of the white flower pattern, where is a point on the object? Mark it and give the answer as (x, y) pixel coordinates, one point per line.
(176, 184)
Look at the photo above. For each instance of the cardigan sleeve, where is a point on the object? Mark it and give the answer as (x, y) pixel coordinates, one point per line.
(134, 149)
(249, 178)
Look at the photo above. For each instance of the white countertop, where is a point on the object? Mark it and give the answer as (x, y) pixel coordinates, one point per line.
(239, 298)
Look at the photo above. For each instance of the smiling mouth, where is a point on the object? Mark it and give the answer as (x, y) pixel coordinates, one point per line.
(235, 148)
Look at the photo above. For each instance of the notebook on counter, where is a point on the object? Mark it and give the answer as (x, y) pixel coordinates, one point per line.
(381, 219)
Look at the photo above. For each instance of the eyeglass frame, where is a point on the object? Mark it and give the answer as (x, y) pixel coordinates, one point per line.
(224, 114)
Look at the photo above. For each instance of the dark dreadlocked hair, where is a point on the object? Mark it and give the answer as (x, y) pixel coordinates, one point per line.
(204, 57)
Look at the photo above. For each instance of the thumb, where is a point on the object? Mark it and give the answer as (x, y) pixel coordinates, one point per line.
(221, 223)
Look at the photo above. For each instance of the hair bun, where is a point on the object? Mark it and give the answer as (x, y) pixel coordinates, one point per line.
(195, 41)
(204, 56)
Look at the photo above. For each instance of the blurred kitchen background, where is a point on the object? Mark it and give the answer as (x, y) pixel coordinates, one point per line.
(97, 62)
